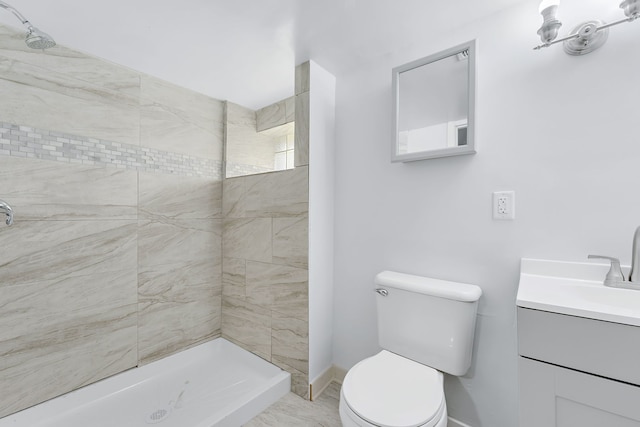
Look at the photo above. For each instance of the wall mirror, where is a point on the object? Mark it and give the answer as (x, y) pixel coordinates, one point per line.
(434, 105)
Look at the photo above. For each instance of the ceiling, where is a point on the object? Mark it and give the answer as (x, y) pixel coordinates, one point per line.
(244, 50)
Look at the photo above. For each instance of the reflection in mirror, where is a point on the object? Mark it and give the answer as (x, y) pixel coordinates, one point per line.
(259, 141)
(434, 105)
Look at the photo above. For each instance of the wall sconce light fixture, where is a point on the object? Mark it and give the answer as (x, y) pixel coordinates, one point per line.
(587, 36)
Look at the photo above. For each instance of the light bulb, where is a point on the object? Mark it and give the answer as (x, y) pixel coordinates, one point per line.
(544, 4)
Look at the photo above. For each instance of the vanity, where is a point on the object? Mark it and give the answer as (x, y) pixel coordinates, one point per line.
(578, 346)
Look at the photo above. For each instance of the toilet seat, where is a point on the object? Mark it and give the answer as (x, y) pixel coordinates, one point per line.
(388, 390)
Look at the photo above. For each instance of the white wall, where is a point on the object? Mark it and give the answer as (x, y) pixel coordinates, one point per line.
(322, 101)
(561, 131)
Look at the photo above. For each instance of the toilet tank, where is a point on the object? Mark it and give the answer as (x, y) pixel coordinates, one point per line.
(427, 320)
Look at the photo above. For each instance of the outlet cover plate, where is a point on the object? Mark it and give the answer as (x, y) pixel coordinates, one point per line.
(504, 205)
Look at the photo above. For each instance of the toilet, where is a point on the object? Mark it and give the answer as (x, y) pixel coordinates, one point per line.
(425, 327)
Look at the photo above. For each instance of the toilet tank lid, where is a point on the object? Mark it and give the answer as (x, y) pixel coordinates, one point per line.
(463, 292)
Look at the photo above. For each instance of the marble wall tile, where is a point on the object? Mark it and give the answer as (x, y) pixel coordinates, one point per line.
(275, 282)
(175, 318)
(290, 109)
(290, 341)
(203, 111)
(42, 98)
(277, 194)
(234, 277)
(301, 150)
(46, 250)
(180, 237)
(303, 78)
(299, 380)
(244, 145)
(182, 274)
(291, 241)
(40, 189)
(248, 239)
(281, 288)
(276, 114)
(290, 349)
(247, 324)
(179, 284)
(30, 306)
(233, 200)
(72, 63)
(237, 169)
(187, 241)
(179, 197)
(252, 138)
(57, 335)
(240, 117)
(178, 120)
(271, 116)
(44, 339)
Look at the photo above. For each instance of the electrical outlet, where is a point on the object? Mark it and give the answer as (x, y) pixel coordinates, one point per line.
(504, 205)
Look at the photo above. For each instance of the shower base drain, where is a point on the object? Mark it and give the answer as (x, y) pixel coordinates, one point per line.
(158, 415)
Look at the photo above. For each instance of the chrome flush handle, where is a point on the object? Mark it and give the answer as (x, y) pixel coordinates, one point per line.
(382, 292)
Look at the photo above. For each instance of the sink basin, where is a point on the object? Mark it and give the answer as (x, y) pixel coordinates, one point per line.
(576, 289)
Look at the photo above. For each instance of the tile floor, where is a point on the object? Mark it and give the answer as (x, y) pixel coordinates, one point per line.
(294, 411)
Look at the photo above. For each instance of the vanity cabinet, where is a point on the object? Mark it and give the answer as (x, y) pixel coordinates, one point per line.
(576, 371)
(552, 396)
(578, 346)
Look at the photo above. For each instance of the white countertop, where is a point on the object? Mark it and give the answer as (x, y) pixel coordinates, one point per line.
(576, 289)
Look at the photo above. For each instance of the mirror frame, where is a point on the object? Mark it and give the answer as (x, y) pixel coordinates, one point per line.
(470, 148)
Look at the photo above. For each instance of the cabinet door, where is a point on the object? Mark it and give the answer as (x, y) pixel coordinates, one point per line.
(551, 396)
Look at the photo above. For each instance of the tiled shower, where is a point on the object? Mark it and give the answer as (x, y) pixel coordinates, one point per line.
(123, 249)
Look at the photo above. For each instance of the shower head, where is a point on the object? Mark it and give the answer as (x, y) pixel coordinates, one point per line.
(36, 39)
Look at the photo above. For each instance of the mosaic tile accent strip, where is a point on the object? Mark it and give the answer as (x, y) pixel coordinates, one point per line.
(25, 141)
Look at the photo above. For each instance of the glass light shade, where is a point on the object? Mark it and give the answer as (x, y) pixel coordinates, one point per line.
(548, 32)
(631, 8)
(544, 4)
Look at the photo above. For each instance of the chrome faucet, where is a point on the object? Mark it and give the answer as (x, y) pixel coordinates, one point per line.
(6, 209)
(634, 276)
(615, 278)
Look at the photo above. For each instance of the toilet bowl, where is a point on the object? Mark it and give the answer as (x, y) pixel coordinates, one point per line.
(425, 327)
(388, 390)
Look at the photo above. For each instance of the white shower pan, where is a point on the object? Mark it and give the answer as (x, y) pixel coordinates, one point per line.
(214, 384)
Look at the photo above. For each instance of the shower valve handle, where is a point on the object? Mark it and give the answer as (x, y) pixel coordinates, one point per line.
(8, 211)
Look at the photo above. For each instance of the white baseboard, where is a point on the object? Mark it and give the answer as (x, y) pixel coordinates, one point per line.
(339, 374)
(322, 381)
(452, 422)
